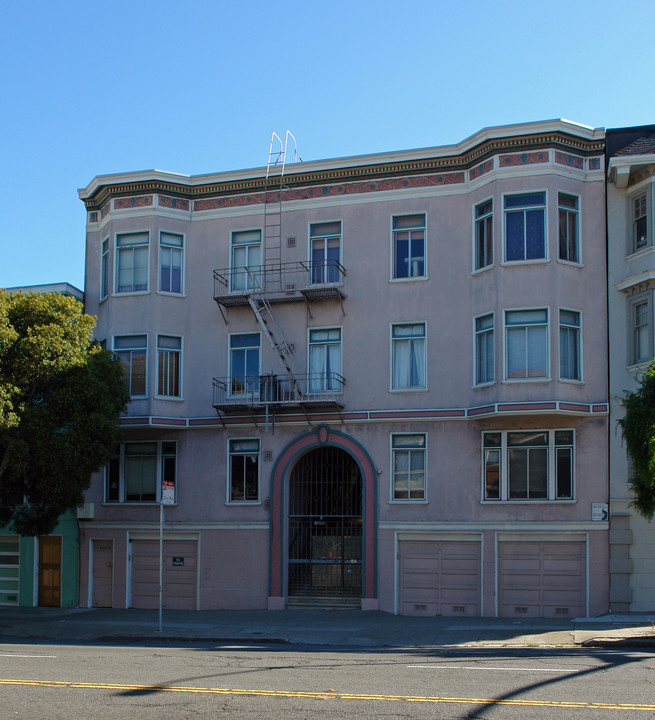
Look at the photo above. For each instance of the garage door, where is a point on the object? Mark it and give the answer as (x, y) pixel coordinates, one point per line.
(439, 577)
(180, 574)
(9, 564)
(542, 579)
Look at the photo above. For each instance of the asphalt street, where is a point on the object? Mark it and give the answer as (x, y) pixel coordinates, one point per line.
(209, 680)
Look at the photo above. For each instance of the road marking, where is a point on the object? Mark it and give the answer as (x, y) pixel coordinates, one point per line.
(488, 667)
(327, 695)
(12, 655)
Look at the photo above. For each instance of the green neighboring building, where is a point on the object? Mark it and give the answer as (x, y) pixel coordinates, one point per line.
(42, 570)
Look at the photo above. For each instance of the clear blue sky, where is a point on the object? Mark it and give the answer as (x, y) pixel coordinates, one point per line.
(89, 88)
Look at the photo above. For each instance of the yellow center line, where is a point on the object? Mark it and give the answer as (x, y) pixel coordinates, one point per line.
(332, 694)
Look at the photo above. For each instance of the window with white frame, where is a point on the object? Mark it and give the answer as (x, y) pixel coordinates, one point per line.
(569, 345)
(104, 269)
(526, 344)
(132, 352)
(640, 327)
(244, 364)
(132, 262)
(136, 471)
(171, 262)
(525, 226)
(484, 349)
(408, 246)
(639, 222)
(408, 355)
(325, 251)
(528, 465)
(569, 227)
(243, 470)
(325, 360)
(408, 462)
(169, 366)
(484, 253)
(246, 260)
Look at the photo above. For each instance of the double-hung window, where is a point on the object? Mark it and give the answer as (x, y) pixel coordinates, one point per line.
(171, 262)
(484, 349)
(408, 463)
(244, 365)
(325, 360)
(639, 222)
(325, 249)
(132, 352)
(169, 366)
(132, 262)
(408, 355)
(641, 350)
(525, 227)
(569, 228)
(408, 246)
(484, 253)
(246, 260)
(569, 345)
(243, 470)
(136, 472)
(104, 269)
(528, 465)
(526, 344)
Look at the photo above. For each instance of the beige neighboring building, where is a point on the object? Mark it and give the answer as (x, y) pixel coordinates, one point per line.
(631, 274)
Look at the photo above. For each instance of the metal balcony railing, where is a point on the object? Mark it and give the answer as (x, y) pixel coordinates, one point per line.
(307, 389)
(312, 280)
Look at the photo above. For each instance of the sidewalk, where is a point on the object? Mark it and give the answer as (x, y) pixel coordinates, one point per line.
(323, 627)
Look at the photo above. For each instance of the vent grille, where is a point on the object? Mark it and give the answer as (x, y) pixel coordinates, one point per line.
(268, 455)
(291, 242)
(521, 610)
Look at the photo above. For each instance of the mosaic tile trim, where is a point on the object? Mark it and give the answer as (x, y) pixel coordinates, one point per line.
(93, 217)
(594, 163)
(356, 188)
(481, 169)
(570, 160)
(105, 209)
(524, 159)
(173, 202)
(133, 202)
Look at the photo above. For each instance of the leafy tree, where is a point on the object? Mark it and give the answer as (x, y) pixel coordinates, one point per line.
(638, 428)
(60, 400)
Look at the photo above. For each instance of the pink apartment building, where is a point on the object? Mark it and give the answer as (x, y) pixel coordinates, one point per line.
(375, 381)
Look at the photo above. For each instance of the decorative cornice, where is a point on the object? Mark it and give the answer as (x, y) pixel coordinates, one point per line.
(301, 176)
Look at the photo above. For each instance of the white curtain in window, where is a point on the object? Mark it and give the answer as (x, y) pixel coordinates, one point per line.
(409, 363)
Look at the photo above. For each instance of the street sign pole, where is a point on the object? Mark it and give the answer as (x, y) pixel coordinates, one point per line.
(161, 563)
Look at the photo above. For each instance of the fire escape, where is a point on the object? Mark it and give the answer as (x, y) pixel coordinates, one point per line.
(271, 282)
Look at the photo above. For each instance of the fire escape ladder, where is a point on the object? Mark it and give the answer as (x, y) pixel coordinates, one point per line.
(267, 321)
(273, 203)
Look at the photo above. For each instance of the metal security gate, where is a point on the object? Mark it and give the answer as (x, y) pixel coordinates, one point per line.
(325, 525)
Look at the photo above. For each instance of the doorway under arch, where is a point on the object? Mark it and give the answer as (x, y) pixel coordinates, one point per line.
(325, 525)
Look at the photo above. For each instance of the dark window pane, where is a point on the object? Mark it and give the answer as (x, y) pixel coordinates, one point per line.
(515, 247)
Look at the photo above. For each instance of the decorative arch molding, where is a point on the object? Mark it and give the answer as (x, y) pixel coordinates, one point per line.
(322, 435)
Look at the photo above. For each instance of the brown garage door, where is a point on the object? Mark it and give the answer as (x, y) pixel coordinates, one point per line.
(180, 574)
(439, 577)
(542, 579)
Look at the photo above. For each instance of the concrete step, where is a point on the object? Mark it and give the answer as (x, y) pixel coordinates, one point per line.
(313, 602)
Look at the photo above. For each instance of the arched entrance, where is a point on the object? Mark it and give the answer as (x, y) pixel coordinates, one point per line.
(325, 525)
(321, 437)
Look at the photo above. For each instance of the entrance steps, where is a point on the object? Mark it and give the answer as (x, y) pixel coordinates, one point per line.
(312, 602)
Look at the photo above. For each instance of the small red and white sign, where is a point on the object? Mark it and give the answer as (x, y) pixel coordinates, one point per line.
(168, 492)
